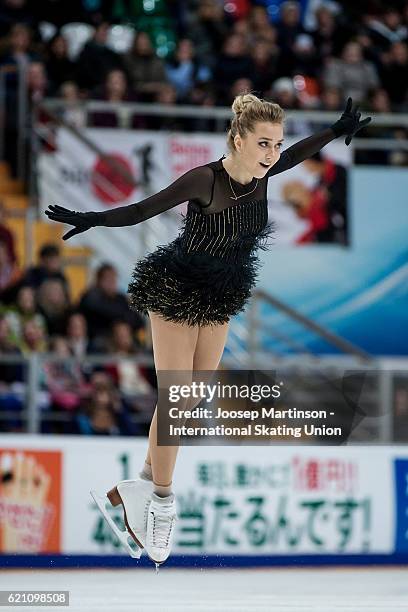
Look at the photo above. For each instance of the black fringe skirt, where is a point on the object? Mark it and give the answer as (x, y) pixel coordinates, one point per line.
(193, 288)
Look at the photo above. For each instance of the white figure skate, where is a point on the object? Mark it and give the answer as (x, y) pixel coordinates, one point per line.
(135, 496)
(162, 517)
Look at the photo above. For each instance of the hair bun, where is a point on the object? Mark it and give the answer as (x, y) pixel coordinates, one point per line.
(242, 102)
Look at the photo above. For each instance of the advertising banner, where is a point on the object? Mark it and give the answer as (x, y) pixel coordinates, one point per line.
(30, 500)
(345, 286)
(270, 502)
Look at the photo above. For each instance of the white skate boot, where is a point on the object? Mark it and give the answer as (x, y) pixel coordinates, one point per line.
(135, 496)
(161, 519)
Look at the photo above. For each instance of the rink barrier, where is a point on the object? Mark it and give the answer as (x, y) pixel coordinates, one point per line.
(198, 561)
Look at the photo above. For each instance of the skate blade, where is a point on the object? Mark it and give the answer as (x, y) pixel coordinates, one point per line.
(123, 536)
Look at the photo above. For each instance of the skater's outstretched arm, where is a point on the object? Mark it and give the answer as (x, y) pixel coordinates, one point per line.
(348, 124)
(196, 184)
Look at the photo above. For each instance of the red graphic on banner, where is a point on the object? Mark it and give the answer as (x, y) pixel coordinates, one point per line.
(112, 183)
(30, 501)
(324, 474)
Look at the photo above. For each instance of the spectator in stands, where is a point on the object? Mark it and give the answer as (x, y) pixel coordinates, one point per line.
(77, 335)
(259, 21)
(10, 274)
(37, 82)
(167, 94)
(328, 38)
(11, 375)
(203, 95)
(243, 29)
(394, 75)
(103, 304)
(331, 99)
(126, 374)
(386, 28)
(380, 102)
(283, 92)
(6, 235)
(240, 86)
(114, 89)
(144, 68)
(96, 59)
(8, 343)
(289, 26)
(72, 110)
(208, 29)
(63, 377)
(16, 61)
(19, 50)
(234, 63)
(351, 74)
(183, 70)
(305, 60)
(24, 309)
(60, 67)
(34, 338)
(265, 57)
(53, 305)
(49, 266)
(103, 413)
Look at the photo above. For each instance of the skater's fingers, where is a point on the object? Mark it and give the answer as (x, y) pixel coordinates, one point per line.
(349, 105)
(348, 140)
(364, 122)
(61, 208)
(72, 232)
(61, 217)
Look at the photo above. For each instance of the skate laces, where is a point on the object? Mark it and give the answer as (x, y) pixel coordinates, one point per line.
(164, 518)
(146, 512)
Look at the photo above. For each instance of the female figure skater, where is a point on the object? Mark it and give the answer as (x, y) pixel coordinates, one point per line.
(191, 287)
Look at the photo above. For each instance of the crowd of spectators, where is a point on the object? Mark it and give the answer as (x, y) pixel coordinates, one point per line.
(220, 48)
(37, 315)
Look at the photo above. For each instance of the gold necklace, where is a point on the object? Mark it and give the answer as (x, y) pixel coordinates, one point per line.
(244, 194)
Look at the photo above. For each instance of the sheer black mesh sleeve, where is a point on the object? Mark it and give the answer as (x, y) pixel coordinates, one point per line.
(302, 150)
(196, 184)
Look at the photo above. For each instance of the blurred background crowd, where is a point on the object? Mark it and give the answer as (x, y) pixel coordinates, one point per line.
(38, 316)
(311, 54)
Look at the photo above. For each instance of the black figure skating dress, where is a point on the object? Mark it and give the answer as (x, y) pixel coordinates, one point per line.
(205, 276)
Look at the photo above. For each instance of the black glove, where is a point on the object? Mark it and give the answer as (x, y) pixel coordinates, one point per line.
(349, 123)
(81, 220)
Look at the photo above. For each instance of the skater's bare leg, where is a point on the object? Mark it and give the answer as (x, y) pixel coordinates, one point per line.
(209, 347)
(173, 348)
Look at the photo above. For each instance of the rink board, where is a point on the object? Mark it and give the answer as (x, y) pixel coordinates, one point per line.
(237, 505)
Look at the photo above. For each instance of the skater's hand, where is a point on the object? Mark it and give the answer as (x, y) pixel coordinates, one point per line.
(81, 220)
(349, 123)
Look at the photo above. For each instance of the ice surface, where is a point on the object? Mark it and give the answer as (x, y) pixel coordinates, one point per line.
(213, 590)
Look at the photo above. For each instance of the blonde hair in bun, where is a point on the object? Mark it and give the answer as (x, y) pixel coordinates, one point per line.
(248, 109)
